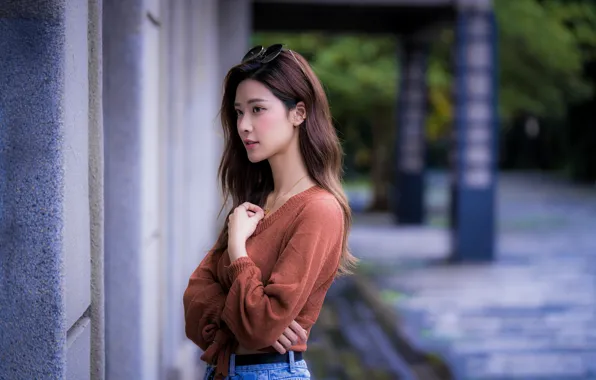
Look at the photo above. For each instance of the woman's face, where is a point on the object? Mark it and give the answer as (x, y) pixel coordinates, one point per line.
(264, 124)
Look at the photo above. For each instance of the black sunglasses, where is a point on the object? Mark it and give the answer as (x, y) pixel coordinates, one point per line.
(262, 55)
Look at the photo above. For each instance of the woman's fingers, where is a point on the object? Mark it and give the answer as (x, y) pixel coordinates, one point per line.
(279, 348)
(298, 330)
(291, 335)
(253, 208)
(285, 342)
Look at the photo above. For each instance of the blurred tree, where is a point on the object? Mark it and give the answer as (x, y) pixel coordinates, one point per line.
(579, 16)
(547, 48)
(440, 117)
(580, 132)
(541, 65)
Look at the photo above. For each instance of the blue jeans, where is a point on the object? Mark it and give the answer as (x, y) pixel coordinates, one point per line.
(277, 371)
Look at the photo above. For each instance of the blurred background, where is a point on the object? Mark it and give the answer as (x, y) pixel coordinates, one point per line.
(470, 163)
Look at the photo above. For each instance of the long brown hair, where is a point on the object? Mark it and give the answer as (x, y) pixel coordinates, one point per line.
(290, 78)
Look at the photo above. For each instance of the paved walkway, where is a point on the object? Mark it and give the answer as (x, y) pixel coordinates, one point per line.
(530, 315)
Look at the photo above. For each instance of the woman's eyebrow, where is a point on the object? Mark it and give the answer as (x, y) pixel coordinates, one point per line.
(251, 101)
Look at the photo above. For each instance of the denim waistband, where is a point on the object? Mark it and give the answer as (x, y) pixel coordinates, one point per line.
(291, 364)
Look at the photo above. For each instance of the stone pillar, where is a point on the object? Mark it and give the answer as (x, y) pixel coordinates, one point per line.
(190, 149)
(476, 134)
(132, 227)
(202, 126)
(410, 142)
(50, 217)
(32, 87)
(235, 28)
(174, 168)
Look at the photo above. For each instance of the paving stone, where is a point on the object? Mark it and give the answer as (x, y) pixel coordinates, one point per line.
(517, 365)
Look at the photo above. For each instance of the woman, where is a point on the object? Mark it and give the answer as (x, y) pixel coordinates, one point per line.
(255, 296)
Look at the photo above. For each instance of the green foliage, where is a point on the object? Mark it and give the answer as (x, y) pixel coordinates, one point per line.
(438, 123)
(540, 60)
(580, 17)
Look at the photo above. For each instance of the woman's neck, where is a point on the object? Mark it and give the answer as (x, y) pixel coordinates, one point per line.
(288, 169)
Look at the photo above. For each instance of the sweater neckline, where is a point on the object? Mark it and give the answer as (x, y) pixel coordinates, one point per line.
(292, 202)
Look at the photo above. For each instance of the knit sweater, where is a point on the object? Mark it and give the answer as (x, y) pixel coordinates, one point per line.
(293, 257)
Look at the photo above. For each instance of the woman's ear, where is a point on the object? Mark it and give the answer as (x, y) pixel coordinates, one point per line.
(299, 114)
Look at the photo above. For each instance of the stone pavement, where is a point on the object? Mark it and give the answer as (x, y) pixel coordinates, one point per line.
(529, 315)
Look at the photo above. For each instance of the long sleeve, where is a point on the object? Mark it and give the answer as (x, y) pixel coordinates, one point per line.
(203, 300)
(258, 313)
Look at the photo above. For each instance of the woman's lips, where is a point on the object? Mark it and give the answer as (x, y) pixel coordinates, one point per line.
(251, 144)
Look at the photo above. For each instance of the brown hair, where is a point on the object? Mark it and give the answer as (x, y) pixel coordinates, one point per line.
(290, 78)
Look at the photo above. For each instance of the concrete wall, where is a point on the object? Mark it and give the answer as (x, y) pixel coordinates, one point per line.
(109, 145)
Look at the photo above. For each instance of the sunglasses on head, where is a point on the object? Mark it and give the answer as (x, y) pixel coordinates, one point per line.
(263, 55)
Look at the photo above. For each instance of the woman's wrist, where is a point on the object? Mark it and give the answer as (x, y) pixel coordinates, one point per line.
(236, 249)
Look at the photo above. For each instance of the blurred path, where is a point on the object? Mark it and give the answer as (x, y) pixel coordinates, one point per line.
(530, 315)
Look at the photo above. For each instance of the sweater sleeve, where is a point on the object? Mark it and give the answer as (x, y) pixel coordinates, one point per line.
(203, 301)
(258, 314)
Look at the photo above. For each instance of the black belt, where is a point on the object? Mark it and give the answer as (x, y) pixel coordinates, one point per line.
(268, 358)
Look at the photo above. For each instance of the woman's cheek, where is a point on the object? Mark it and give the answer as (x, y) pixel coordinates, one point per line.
(267, 121)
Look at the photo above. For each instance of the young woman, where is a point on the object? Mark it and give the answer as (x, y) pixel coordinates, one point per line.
(255, 296)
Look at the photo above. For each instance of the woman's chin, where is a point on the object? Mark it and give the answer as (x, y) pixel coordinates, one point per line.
(256, 158)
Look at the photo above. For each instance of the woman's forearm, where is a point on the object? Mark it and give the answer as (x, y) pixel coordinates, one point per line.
(236, 249)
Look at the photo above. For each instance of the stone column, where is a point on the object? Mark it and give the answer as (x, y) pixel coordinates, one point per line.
(476, 133)
(190, 151)
(50, 217)
(32, 88)
(174, 168)
(132, 232)
(410, 142)
(235, 28)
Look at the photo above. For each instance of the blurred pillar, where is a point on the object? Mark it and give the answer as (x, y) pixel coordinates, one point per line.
(412, 107)
(175, 52)
(189, 158)
(235, 29)
(131, 100)
(474, 156)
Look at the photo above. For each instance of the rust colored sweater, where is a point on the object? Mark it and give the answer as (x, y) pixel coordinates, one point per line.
(293, 257)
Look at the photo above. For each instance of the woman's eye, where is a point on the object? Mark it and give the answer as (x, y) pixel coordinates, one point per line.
(238, 113)
(257, 109)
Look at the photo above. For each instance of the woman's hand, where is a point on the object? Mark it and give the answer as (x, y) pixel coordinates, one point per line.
(293, 335)
(242, 223)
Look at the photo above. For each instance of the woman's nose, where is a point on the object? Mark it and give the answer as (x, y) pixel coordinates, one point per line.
(244, 124)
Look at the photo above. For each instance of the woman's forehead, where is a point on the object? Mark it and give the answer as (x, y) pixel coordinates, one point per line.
(249, 90)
